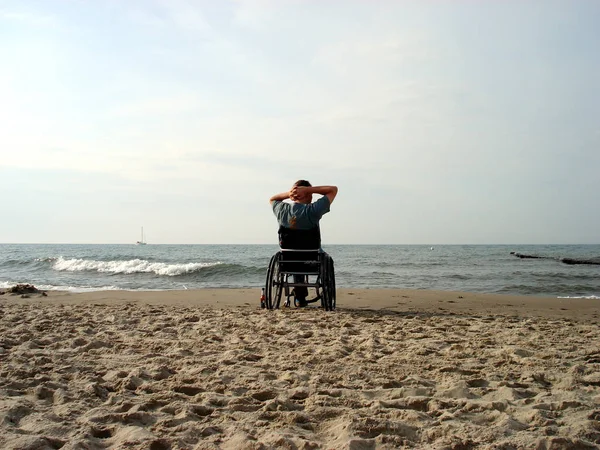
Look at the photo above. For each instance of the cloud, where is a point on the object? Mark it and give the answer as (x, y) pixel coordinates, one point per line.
(186, 15)
(160, 106)
(346, 101)
(251, 95)
(28, 17)
(256, 14)
(183, 17)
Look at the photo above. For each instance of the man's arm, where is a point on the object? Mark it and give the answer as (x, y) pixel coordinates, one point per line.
(280, 197)
(329, 191)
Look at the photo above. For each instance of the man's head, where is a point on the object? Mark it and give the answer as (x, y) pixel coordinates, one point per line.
(302, 183)
(303, 198)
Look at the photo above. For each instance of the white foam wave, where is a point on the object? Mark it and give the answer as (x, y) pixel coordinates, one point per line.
(78, 288)
(594, 297)
(128, 267)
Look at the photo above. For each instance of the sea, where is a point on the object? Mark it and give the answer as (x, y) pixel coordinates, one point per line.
(467, 268)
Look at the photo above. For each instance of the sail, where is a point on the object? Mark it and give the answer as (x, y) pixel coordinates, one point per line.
(142, 241)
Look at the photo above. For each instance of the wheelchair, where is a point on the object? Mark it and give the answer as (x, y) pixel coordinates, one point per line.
(300, 263)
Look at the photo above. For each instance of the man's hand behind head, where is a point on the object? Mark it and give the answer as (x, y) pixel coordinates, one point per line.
(301, 194)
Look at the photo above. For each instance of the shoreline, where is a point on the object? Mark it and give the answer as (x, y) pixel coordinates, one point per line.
(395, 300)
(87, 290)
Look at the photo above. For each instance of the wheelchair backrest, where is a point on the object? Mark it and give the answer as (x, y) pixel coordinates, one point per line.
(299, 239)
(306, 262)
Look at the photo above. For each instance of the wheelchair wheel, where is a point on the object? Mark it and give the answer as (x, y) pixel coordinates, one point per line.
(329, 284)
(324, 287)
(332, 293)
(272, 276)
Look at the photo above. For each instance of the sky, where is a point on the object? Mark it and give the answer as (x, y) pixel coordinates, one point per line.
(441, 122)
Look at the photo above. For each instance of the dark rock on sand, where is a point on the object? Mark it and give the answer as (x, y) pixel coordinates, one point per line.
(23, 289)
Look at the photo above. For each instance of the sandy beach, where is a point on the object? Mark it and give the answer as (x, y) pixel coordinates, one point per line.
(208, 369)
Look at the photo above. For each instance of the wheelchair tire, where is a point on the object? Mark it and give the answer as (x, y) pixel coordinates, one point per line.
(270, 281)
(324, 283)
(331, 284)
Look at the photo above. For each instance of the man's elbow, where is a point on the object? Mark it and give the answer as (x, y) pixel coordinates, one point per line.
(332, 193)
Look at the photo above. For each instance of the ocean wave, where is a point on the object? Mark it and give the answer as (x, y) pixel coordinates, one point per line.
(14, 262)
(569, 277)
(127, 267)
(458, 276)
(51, 287)
(227, 271)
(548, 289)
(77, 289)
(404, 264)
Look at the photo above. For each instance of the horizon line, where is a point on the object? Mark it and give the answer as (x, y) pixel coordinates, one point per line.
(275, 244)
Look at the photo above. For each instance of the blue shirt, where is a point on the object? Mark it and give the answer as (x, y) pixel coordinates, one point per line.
(299, 215)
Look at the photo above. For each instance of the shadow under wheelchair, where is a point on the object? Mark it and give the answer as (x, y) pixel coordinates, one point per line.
(300, 266)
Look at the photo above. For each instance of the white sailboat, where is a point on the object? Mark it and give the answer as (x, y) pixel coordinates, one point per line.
(142, 242)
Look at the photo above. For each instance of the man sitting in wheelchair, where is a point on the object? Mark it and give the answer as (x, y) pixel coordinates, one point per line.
(299, 230)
